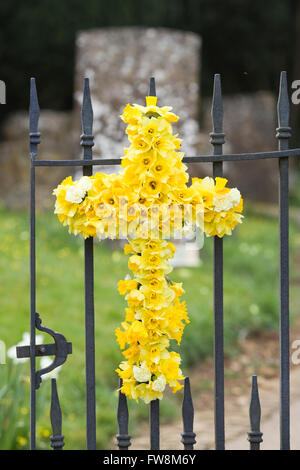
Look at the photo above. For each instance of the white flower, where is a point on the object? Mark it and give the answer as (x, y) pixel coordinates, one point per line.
(142, 374)
(221, 203)
(235, 196)
(74, 194)
(45, 362)
(227, 201)
(84, 184)
(159, 384)
(12, 352)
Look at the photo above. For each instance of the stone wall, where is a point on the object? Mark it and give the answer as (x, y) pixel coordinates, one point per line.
(56, 143)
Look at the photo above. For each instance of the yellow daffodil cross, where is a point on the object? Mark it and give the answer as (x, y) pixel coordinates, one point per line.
(149, 202)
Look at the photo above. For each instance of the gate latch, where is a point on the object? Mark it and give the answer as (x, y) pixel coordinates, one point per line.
(59, 349)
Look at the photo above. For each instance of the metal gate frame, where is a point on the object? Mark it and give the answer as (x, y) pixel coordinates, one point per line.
(61, 348)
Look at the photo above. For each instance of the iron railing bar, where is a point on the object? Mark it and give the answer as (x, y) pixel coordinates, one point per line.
(34, 140)
(32, 311)
(189, 159)
(154, 425)
(217, 140)
(98, 161)
(230, 157)
(154, 404)
(87, 141)
(283, 134)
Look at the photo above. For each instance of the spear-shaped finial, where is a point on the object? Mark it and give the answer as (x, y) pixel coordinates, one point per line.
(152, 90)
(217, 105)
(87, 138)
(87, 110)
(123, 438)
(255, 436)
(188, 435)
(283, 109)
(34, 109)
(57, 438)
(34, 113)
(217, 135)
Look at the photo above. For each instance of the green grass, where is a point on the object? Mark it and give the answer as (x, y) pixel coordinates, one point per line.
(250, 303)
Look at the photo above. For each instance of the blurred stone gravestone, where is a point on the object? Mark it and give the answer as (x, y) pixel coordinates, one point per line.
(119, 63)
(56, 141)
(249, 126)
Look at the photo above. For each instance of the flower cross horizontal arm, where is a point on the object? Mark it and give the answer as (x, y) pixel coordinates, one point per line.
(149, 202)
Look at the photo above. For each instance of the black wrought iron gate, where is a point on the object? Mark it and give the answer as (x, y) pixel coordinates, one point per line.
(61, 348)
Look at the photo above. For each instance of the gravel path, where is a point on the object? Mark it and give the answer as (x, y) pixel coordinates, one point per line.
(237, 421)
(258, 355)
